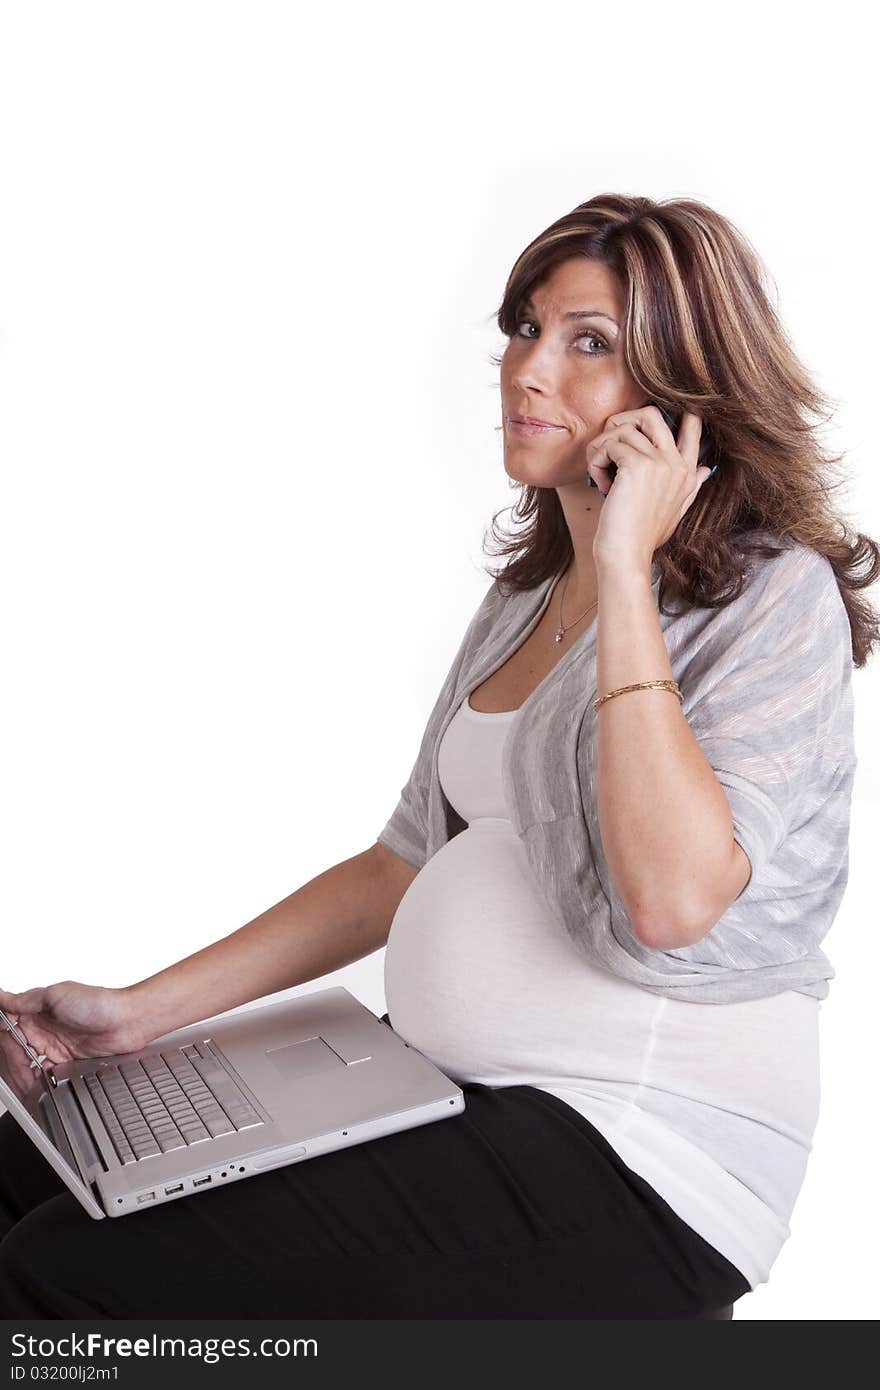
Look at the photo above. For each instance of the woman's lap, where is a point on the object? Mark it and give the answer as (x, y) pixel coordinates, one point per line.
(516, 1207)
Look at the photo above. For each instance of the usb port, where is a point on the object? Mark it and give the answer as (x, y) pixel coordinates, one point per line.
(200, 1182)
(146, 1197)
(177, 1188)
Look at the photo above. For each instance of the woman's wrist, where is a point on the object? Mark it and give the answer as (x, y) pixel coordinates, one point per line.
(146, 1018)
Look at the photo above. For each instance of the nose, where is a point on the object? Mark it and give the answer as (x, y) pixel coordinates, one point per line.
(535, 369)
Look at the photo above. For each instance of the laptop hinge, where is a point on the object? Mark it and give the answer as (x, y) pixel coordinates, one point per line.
(76, 1130)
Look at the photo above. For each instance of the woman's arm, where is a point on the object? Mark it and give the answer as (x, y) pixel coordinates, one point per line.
(666, 824)
(338, 917)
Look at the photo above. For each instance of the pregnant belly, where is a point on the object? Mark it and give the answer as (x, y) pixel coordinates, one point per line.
(482, 978)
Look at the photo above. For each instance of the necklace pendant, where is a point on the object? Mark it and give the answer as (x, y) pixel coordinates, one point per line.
(559, 636)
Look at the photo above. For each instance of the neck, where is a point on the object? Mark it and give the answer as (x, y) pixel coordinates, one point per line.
(581, 585)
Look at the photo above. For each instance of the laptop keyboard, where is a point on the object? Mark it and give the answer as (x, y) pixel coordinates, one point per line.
(168, 1101)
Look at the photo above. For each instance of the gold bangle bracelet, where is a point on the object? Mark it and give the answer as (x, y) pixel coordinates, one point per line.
(641, 685)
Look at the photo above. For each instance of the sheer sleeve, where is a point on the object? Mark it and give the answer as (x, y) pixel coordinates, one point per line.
(406, 830)
(763, 693)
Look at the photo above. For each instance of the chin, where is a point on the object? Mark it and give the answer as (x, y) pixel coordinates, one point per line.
(546, 476)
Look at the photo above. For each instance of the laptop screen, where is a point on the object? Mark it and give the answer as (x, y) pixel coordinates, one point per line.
(24, 1078)
(28, 1094)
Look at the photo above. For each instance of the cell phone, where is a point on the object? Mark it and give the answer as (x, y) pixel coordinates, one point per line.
(673, 420)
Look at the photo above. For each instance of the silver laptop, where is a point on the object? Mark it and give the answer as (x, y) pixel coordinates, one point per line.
(223, 1100)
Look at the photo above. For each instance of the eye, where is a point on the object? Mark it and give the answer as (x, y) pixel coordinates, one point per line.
(584, 333)
(597, 337)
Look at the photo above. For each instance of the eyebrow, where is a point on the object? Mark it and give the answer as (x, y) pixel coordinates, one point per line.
(579, 313)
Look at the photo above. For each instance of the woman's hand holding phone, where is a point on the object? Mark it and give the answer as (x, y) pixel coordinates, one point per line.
(657, 477)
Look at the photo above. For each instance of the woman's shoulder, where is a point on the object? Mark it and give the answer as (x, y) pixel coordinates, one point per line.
(783, 571)
(789, 599)
(764, 547)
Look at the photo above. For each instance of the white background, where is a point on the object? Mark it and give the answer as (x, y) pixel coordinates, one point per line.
(249, 261)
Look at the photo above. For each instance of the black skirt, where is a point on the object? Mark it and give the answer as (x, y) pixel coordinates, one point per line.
(516, 1208)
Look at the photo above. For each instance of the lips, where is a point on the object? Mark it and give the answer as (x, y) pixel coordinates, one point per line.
(532, 420)
(528, 429)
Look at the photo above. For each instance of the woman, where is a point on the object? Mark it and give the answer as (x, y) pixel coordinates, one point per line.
(605, 883)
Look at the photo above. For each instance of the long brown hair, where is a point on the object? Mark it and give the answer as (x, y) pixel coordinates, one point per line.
(700, 333)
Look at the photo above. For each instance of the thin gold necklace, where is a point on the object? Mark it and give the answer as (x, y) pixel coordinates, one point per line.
(562, 629)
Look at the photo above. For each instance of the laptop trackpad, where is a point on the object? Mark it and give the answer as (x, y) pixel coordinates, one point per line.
(304, 1058)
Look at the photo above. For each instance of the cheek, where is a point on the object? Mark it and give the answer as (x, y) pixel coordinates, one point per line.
(606, 393)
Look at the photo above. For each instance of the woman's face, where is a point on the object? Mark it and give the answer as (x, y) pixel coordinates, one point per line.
(566, 370)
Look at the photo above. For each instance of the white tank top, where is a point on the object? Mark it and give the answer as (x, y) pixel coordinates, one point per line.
(714, 1105)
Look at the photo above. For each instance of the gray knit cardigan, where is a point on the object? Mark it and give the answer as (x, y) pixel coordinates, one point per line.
(767, 693)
